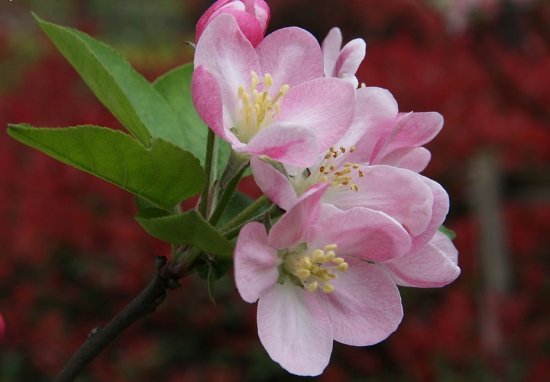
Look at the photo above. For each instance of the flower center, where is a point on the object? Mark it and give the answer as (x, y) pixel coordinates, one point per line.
(257, 109)
(331, 169)
(314, 270)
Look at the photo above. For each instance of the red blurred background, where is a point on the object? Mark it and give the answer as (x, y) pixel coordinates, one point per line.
(71, 254)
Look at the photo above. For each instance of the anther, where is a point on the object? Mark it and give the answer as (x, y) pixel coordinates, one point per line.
(327, 288)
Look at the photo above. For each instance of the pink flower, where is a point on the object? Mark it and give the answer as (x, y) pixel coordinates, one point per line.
(252, 16)
(315, 281)
(270, 100)
(431, 266)
(2, 327)
(416, 202)
(342, 62)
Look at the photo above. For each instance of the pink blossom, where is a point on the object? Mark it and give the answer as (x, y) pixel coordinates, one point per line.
(431, 266)
(270, 100)
(315, 281)
(252, 16)
(2, 328)
(342, 62)
(416, 202)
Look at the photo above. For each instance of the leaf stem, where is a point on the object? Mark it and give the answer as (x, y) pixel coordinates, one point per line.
(274, 211)
(145, 303)
(226, 197)
(245, 215)
(203, 208)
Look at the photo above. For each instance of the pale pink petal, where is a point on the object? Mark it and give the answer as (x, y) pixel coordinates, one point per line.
(273, 183)
(331, 50)
(206, 16)
(286, 143)
(365, 307)
(444, 244)
(292, 56)
(294, 329)
(350, 58)
(412, 158)
(411, 130)
(375, 112)
(292, 227)
(260, 9)
(255, 263)
(207, 98)
(230, 57)
(428, 267)
(361, 233)
(440, 207)
(401, 194)
(325, 105)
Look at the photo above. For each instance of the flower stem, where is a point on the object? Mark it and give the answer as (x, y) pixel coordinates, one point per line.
(203, 208)
(274, 211)
(226, 197)
(245, 215)
(146, 302)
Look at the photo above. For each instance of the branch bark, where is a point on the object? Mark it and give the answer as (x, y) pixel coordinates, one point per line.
(145, 303)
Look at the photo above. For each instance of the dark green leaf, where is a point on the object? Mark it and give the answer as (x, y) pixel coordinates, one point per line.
(188, 228)
(163, 175)
(129, 96)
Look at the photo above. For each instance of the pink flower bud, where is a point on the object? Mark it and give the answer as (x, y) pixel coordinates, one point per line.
(252, 17)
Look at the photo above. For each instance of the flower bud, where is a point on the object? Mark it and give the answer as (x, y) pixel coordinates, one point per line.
(252, 17)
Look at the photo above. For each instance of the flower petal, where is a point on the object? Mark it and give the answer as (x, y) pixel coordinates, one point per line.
(248, 24)
(255, 263)
(208, 102)
(230, 57)
(375, 113)
(292, 56)
(365, 307)
(331, 50)
(292, 227)
(429, 267)
(325, 105)
(415, 159)
(361, 233)
(273, 183)
(400, 193)
(350, 57)
(294, 329)
(284, 142)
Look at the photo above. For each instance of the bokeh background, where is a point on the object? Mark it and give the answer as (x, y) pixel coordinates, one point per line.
(71, 254)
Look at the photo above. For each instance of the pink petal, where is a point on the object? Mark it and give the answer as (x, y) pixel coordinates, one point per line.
(230, 57)
(444, 244)
(360, 233)
(207, 99)
(440, 207)
(260, 10)
(294, 329)
(274, 184)
(365, 307)
(331, 50)
(255, 263)
(292, 227)
(325, 105)
(399, 193)
(375, 112)
(412, 158)
(291, 56)
(429, 267)
(248, 24)
(411, 130)
(350, 57)
(206, 16)
(286, 143)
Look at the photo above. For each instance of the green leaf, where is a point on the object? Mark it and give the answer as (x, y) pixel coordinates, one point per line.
(175, 88)
(163, 175)
(129, 96)
(188, 228)
(449, 233)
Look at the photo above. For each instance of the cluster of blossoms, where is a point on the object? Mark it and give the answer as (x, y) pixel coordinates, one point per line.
(343, 163)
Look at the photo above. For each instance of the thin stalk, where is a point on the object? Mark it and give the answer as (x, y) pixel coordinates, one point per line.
(203, 207)
(274, 211)
(246, 214)
(226, 197)
(145, 303)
